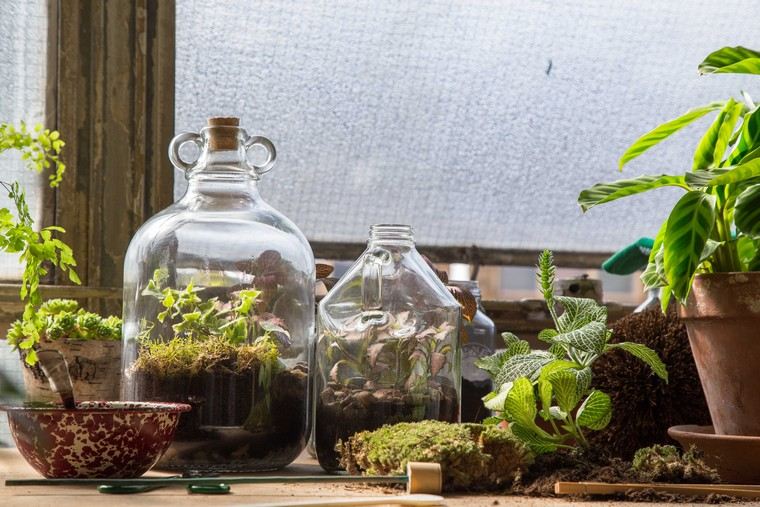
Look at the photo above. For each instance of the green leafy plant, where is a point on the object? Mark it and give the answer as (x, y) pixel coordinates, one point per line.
(389, 353)
(207, 332)
(715, 225)
(62, 318)
(555, 384)
(40, 150)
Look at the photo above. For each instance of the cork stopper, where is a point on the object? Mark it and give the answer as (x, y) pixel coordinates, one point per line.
(223, 138)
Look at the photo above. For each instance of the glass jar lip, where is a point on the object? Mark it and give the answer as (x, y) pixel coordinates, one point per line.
(391, 232)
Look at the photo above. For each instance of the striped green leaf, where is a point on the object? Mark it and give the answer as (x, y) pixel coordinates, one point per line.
(749, 137)
(537, 443)
(665, 130)
(747, 211)
(606, 192)
(736, 174)
(728, 60)
(712, 146)
(647, 355)
(596, 411)
(689, 225)
(523, 365)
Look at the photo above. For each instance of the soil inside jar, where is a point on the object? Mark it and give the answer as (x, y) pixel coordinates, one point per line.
(231, 427)
(341, 412)
(473, 409)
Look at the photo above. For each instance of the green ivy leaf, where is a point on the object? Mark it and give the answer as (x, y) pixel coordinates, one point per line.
(595, 412)
(689, 225)
(646, 354)
(665, 130)
(731, 60)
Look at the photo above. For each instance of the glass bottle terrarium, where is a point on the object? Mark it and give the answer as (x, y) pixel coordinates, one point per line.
(387, 348)
(478, 339)
(219, 312)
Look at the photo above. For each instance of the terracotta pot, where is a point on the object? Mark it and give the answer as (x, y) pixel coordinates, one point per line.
(94, 366)
(736, 458)
(722, 316)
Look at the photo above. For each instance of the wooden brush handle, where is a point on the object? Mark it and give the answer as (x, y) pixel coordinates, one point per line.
(418, 500)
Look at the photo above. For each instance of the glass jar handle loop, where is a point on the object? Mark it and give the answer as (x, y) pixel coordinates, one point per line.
(176, 144)
(268, 146)
(372, 279)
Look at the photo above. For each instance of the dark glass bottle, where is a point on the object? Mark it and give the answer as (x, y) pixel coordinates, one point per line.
(478, 339)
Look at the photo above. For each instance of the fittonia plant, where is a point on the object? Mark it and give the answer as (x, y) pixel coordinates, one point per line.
(545, 395)
(391, 354)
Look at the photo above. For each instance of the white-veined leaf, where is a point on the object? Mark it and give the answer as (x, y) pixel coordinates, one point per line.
(647, 355)
(521, 403)
(590, 338)
(538, 444)
(564, 385)
(595, 412)
(524, 365)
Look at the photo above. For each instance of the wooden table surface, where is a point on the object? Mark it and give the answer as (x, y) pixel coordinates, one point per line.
(13, 466)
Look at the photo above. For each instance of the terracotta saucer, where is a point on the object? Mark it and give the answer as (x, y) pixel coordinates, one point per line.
(737, 458)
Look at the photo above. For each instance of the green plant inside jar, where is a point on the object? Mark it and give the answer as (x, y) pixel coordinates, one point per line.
(384, 369)
(201, 349)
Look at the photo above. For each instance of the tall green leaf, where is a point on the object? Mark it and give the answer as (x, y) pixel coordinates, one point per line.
(646, 354)
(749, 136)
(606, 192)
(741, 172)
(564, 384)
(747, 211)
(595, 412)
(537, 443)
(731, 60)
(712, 146)
(664, 131)
(689, 225)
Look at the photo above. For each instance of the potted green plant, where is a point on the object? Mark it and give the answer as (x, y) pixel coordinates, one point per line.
(88, 342)
(706, 254)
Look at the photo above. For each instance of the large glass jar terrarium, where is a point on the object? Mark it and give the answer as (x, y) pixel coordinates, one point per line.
(219, 311)
(387, 347)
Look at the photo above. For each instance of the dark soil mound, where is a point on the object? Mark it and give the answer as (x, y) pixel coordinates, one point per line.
(644, 406)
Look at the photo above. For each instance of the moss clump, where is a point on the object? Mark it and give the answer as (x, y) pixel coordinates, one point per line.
(62, 318)
(644, 406)
(183, 356)
(472, 456)
(665, 463)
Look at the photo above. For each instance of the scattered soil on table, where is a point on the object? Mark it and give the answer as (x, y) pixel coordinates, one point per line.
(569, 466)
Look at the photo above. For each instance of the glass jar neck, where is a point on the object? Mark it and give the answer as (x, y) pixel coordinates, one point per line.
(223, 157)
(391, 235)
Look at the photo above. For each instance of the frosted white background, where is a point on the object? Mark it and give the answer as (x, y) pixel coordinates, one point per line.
(476, 122)
(23, 44)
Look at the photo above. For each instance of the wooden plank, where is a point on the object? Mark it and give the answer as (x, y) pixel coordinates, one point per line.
(115, 109)
(468, 254)
(603, 488)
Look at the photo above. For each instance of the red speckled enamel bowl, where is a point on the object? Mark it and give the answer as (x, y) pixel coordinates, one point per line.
(101, 439)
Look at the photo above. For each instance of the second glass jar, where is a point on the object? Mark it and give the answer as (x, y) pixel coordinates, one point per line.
(387, 345)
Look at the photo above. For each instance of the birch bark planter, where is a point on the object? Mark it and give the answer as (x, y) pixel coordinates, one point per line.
(722, 316)
(94, 366)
